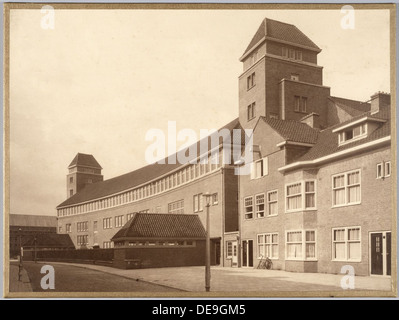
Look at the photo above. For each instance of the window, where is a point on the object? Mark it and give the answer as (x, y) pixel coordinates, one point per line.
(248, 208)
(352, 134)
(297, 103)
(108, 244)
(176, 207)
(60, 229)
(144, 211)
(295, 77)
(346, 244)
(229, 249)
(268, 245)
(95, 227)
(387, 168)
(129, 216)
(71, 192)
(71, 180)
(82, 226)
(272, 203)
(301, 196)
(118, 221)
(346, 188)
(83, 240)
(298, 55)
(291, 53)
(383, 169)
(260, 205)
(251, 111)
(215, 199)
(107, 223)
(251, 81)
(285, 52)
(301, 245)
(259, 168)
(198, 202)
(304, 104)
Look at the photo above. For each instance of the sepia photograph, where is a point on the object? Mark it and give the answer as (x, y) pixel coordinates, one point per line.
(199, 150)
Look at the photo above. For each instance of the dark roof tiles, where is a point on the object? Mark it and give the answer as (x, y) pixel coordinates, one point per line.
(280, 31)
(85, 160)
(162, 225)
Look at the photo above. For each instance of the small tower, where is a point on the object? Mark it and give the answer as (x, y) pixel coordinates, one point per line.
(84, 169)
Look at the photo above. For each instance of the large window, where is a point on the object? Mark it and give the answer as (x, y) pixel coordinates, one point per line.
(346, 244)
(248, 208)
(82, 226)
(118, 221)
(68, 228)
(108, 244)
(300, 104)
(301, 196)
(83, 240)
(383, 169)
(301, 245)
(260, 205)
(268, 245)
(272, 203)
(346, 188)
(176, 207)
(198, 202)
(107, 223)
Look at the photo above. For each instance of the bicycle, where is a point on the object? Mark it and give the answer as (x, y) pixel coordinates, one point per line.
(265, 263)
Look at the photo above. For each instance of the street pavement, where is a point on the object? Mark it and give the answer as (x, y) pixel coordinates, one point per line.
(228, 281)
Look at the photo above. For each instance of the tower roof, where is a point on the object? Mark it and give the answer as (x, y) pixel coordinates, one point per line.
(281, 31)
(84, 160)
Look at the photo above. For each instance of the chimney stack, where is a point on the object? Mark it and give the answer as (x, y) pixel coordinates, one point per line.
(379, 100)
(312, 120)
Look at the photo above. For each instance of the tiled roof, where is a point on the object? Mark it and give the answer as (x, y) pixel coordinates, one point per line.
(352, 107)
(137, 177)
(26, 220)
(280, 31)
(162, 225)
(327, 143)
(49, 240)
(86, 160)
(292, 130)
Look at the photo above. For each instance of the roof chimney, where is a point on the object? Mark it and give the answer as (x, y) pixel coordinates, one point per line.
(379, 100)
(312, 120)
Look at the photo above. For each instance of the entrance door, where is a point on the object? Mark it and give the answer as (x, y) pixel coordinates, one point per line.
(234, 258)
(247, 253)
(217, 253)
(380, 243)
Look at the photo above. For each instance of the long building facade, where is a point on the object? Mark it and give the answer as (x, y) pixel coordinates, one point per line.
(317, 195)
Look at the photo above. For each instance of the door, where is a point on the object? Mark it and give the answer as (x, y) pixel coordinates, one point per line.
(247, 253)
(234, 257)
(217, 253)
(376, 253)
(380, 243)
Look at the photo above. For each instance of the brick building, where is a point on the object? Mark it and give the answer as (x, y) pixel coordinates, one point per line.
(318, 193)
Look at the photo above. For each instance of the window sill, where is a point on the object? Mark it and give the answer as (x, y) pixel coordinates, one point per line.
(301, 210)
(251, 119)
(251, 87)
(346, 205)
(301, 260)
(356, 261)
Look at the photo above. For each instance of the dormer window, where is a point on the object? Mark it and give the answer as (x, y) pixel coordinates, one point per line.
(351, 134)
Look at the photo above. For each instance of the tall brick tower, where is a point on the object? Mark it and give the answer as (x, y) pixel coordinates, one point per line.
(281, 78)
(84, 169)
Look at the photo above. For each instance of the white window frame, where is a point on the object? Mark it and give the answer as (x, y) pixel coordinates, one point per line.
(68, 228)
(245, 206)
(342, 134)
(256, 206)
(229, 243)
(346, 242)
(387, 164)
(176, 207)
(265, 244)
(198, 203)
(346, 188)
(215, 199)
(380, 170)
(268, 202)
(303, 196)
(303, 243)
(119, 221)
(264, 164)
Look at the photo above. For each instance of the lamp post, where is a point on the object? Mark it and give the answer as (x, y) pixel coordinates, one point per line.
(20, 255)
(208, 245)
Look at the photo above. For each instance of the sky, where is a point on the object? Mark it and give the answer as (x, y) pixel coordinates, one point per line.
(101, 79)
